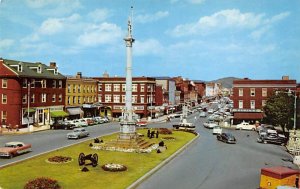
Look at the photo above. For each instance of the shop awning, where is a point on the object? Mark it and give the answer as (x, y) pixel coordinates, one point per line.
(30, 110)
(247, 115)
(74, 111)
(59, 114)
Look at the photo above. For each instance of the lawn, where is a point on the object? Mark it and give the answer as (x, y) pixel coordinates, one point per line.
(69, 175)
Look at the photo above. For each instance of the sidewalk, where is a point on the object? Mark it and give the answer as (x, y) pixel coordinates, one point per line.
(5, 131)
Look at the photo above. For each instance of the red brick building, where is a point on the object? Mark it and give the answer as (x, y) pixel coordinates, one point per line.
(21, 82)
(200, 88)
(187, 88)
(111, 94)
(249, 96)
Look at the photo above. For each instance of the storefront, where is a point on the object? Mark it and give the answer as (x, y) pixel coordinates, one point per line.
(75, 112)
(247, 115)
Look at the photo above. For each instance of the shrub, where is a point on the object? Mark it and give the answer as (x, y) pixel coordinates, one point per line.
(59, 159)
(164, 131)
(42, 183)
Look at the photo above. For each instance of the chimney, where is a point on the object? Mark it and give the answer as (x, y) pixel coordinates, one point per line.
(53, 64)
(285, 77)
(79, 75)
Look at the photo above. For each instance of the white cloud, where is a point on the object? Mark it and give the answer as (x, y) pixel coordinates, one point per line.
(151, 17)
(99, 15)
(104, 33)
(149, 46)
(55, 25)
(232, 18)
(6, 43)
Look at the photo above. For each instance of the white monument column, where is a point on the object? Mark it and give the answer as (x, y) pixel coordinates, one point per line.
(127, 128)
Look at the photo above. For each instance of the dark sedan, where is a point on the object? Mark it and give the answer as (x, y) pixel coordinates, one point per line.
(226, 137)
(273, 138)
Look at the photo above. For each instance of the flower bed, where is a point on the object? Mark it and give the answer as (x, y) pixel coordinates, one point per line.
(164, 131)
(168, 138)
(45, 183)
(59, 159)
(114, 167)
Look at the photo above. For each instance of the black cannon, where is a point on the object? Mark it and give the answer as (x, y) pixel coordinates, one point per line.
(92, 157)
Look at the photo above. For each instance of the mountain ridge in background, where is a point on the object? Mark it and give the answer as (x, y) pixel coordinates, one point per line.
(226, 82)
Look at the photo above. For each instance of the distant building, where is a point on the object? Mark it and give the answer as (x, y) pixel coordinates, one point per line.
(249, 96)
(168, 87)
(187, 88)
(212, 89)
(30, 93)
(200, 88)
(111, 94)
(81, 96)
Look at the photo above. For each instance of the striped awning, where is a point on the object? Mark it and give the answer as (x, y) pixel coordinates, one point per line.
(74, 111)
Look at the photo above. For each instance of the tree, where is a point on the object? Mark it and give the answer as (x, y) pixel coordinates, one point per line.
(279, 110)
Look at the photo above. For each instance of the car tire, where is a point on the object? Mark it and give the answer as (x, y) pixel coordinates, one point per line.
(265, 142)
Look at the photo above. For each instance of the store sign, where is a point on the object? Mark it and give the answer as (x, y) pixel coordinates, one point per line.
(247, 110)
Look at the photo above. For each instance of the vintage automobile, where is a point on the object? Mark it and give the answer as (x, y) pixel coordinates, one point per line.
(141, 123)
(12, 149)
(210, 124)
(273, 138)
(59, 124)
(78, 133)
(202, 114)
(184, 126)
(245, 126)
(217, 130)
(226, 137)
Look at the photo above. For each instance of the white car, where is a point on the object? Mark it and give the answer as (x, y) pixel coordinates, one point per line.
(78, 133)
(245, 126)
(210, 124)
(202, 114)
(217, 130)
(210, 111)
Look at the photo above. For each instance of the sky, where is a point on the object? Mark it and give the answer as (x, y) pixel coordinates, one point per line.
(195, 39)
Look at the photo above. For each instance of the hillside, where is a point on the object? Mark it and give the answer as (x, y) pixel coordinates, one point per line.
(226, 81)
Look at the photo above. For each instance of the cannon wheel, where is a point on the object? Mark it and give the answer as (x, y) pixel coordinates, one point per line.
(81, 159)
(95, 160)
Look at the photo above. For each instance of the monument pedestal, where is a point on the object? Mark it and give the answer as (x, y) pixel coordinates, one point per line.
(127, 130)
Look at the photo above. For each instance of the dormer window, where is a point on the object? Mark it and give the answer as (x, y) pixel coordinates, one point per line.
(20, 67)
(55, 71)
(39, 70)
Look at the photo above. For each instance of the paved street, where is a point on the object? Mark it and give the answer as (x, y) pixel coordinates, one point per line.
(209, 163)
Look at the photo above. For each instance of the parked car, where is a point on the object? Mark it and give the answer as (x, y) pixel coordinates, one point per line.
(202, 114)
(74, 123)
(210, 111)
(12, 149)
(210, 124)
(184, 126)
(217, 130)
(141, 123)
(89, 120)
(273, 138)
(78, 133)
(245, 126)
(60, 124)
(226, 137)
(174, 115)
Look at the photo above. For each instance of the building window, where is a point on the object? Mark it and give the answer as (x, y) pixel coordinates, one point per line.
(88, 89)
(88, 99)
(134, 87)
(241, 92)
(240, 104)
(142, 99)
(79, 99)
(252, 92)
(44, 83)
(32, 98)
(107, 87)
(20, 68)
(69, 88)
(123, 98)
(252, 104)
(142, 88)
(84, 99)
(54, 84)
(79, 88)
(24, 84)
(264, 92)
(32, 83)
(69, 100)
(39, 70)
(44, 97)
(4, 83)
(74, 88)
(4, 99)
(24, 99)
(3, 117)
(74, 99)
(117, 98)
(263, 102)
(60, 84)
(83, 88)
(107, 98)
(99, 87)
(99, 98)
(123, 87)
(134, 98)
(54, 98)
(117, 87)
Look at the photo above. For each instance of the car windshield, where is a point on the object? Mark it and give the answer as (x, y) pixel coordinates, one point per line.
(10, 145)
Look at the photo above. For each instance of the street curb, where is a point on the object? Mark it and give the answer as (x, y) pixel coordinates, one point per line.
(155, 169)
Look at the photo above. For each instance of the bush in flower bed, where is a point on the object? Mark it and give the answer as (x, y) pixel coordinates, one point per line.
(164, 131)
(59, 159)
(168, 138)
(113, 167)
(42, 183)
